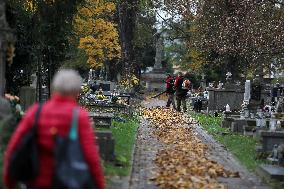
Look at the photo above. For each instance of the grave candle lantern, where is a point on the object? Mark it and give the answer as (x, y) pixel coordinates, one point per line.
(228, 109)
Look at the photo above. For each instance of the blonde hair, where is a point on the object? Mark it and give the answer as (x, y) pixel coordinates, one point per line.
(67, 82)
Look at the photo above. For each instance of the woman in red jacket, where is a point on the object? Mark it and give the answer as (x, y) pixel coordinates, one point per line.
(55, 118)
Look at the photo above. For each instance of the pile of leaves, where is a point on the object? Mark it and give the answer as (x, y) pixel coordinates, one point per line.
(184, 162)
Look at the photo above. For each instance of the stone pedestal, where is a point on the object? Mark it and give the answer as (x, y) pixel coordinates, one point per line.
(155, 80)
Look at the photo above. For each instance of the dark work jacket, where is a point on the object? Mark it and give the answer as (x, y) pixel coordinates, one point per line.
(178, 86)
(170, 85)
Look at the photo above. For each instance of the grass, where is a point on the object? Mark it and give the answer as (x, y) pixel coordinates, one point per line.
(243, 147)
(124, 134)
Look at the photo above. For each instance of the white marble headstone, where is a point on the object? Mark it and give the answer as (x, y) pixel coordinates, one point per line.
(247, 91)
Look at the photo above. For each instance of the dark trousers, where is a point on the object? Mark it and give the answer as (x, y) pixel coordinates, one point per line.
(181, 100)
(171, 100)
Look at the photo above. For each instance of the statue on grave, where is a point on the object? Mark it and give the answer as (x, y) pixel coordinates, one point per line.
(159, 51)
(228, 76)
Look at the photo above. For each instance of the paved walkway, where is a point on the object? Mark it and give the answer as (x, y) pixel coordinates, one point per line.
(147, 147)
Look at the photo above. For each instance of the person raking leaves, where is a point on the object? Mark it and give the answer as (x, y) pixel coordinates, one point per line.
(170, 81)
(182, 86)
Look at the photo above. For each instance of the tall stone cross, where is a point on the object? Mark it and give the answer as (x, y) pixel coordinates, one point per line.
(159, 51)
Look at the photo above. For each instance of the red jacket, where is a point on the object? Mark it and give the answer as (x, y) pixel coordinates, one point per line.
(168, 81)
(169, 85)
(178, 82)
(178, 86)
(56, 115)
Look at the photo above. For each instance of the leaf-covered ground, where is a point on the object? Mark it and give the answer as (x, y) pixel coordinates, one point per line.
(183, 162)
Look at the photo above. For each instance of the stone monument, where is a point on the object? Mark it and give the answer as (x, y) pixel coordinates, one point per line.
(247, 91)
(159, 52)
(155, 80)
(203, 81)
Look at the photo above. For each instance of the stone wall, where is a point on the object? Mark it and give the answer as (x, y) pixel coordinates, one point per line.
(219, 98)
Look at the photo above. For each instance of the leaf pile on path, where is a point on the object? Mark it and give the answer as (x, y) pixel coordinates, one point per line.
(184, 162)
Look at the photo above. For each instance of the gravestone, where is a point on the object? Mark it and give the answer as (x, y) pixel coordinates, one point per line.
(271, 172)
(247, 91)
(102, 120)
(27, 96)
(227, 122)
(203, 81)
(269, 139)
(106, 85)
(106, 145)
(238, 125)
(219, 98)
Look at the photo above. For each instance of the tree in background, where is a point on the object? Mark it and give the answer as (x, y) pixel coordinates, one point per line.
(97, 31)
(232, 35)
(42, 29)
(127, 11)
(144, 42)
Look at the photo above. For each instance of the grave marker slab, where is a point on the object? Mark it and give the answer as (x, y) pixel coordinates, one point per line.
(106, 145)
(271, 172)
(102, 120)
(269, 139)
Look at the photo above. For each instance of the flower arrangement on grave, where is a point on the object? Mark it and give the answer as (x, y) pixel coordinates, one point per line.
(83, 97)
(130, 83)
(84, 89)
(15, 106)
(115, 96)
(100, 95)
(8, 125)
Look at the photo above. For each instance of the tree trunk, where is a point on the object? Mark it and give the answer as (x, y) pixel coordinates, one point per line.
(5, 38)
(127, 10)
(2, 72)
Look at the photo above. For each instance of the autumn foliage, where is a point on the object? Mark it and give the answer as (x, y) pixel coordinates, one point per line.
(184, 161)
(97, 32)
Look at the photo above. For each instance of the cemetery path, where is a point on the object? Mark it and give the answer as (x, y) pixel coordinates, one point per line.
(145, 153)
(147, 147)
